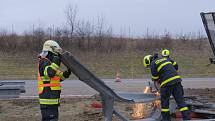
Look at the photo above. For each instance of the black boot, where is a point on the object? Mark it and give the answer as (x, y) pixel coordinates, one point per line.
(186, 115)
(165, 116)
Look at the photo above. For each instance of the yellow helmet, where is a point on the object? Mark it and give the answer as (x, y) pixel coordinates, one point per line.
(165, 53)
(147, 60)
(49, 45)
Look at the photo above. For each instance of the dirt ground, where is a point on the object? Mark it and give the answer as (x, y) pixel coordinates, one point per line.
(75, 109)
(71, 109)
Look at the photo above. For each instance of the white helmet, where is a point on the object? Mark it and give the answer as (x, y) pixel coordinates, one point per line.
(49, 45)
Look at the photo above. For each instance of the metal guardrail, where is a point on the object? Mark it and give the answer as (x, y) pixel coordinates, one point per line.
(108, 96)
(11, 89)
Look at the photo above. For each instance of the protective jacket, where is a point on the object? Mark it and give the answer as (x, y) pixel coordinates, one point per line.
(174, 64)
(162, 69)
(49, 80)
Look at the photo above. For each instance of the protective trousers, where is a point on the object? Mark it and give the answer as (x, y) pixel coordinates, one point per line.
(49, 113)
(176, 90)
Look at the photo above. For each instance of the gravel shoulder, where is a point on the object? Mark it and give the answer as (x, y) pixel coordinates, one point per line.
(75, 109)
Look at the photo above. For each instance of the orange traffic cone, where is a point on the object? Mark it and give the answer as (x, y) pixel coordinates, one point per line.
(118, 77)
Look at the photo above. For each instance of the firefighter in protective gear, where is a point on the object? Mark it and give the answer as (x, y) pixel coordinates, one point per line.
(163, 71)
(49, 80)
(148, 58)
(165, 54)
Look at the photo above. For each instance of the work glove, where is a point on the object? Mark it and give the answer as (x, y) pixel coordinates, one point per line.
(159, 81)
(67, 73)
(157, 86)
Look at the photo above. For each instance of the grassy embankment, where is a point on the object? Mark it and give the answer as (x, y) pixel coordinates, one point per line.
(192, 63)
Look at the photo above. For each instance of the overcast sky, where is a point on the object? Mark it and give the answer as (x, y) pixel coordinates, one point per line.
(175, 16)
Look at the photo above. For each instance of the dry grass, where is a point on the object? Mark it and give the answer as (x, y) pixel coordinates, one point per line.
(114, 54)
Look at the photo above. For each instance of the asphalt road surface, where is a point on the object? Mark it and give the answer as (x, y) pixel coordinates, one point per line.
(78, 88)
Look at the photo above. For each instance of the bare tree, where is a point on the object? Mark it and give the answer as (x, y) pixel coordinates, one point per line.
(50, 31)
(39, 36)
(167, 39)
(100, 31)
(71, 16)
(84, 32)
(58, 33)
(65, 33)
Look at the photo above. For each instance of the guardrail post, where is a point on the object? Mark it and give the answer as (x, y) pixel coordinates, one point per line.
(107, 107)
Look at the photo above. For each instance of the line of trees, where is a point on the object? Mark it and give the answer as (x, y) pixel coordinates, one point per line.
(80, 35)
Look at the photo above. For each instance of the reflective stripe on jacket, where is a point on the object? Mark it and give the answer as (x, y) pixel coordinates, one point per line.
(162, 69)
(53, 83)
(50, 95)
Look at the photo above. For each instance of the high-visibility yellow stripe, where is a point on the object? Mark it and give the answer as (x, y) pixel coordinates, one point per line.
(164, 110)
(54, 83)
(56, 88)
(54, 66)
(50, 79)
(174, 63)
(162, 65)
(168, 80)
(49, 101)
(40, 90)
(60, 74)
(40, 81)
(45, 78)
(184, 109)
(155, 77)
(46, 71)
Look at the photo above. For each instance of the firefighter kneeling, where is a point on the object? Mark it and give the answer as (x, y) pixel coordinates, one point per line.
(49, 80)
(170, 83)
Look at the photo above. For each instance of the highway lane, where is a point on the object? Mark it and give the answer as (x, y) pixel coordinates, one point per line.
(76, 87)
